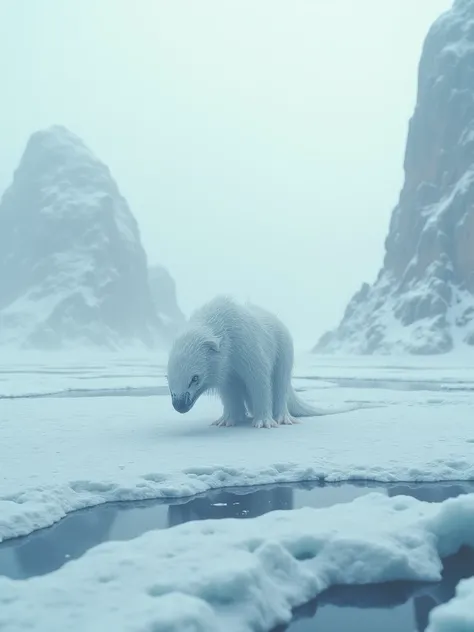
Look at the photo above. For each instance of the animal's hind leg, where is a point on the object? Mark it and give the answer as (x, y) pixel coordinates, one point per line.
(261, 402)
(233, 395)
(281, 381)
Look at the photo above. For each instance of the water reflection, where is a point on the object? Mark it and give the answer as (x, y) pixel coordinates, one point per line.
(392, 606)
(431, 492)
(457, 567)
(48, 549)
(244, 503)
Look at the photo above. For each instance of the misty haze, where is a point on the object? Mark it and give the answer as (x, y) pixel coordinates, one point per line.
(237, 292)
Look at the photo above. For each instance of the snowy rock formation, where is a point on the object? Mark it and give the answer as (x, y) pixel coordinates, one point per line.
(423, 298)
(72, 267)
(163, 293)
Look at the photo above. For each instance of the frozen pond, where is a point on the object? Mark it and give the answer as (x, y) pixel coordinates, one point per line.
(48, 549)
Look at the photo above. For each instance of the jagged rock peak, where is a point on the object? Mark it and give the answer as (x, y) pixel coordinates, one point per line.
(423, 298)
(72, 267)
(163, 292)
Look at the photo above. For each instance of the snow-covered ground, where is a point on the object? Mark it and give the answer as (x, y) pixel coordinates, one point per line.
(76, 432)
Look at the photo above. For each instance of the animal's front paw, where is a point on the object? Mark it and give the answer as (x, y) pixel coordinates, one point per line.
(223, 421)
(288, 420)
(264, 423)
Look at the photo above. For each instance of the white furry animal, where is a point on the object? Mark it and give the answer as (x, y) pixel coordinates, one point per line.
(243, 353)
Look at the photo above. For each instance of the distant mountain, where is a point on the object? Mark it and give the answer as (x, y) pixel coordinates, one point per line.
(163, 293)
(72, 267)
(423, 299)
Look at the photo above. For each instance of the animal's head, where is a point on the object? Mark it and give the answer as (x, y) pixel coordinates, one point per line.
(192, 367)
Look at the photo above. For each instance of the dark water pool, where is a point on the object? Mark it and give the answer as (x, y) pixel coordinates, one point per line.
(392, 607)
(48, 549)
(396, 607)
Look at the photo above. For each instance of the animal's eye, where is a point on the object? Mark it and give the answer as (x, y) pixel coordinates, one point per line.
(195, 379)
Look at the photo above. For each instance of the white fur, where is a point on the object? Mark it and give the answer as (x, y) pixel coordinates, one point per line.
(243, 353)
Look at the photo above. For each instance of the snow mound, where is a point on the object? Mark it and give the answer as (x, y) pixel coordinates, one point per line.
(241, 576)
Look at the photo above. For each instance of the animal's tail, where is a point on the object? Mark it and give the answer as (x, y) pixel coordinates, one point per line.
(298, 408)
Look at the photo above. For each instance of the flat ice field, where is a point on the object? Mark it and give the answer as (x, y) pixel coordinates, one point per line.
(76, 434)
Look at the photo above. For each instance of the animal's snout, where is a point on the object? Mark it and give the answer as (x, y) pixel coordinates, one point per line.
(181, 403)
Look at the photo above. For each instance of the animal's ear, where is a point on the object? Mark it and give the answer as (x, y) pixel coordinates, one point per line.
(213, 344)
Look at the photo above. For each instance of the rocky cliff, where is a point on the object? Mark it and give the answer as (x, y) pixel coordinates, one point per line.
(423, 298)
(72, 267)
(163, 293)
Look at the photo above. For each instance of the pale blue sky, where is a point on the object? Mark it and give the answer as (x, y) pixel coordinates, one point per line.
(259, 142)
